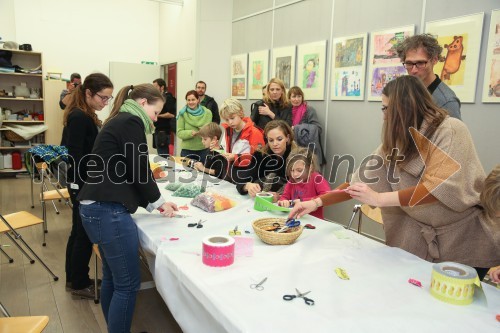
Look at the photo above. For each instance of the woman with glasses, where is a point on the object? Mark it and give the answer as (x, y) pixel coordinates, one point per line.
(427, 178)
(81, 126)
(190, 119)
(121, 182)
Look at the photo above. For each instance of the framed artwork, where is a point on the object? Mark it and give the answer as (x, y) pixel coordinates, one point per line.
(458, 64)
(348, 67)
(239, 76)
(283, 65)
(311, 68)
(385, 64)
(258, 73)
(491, 87)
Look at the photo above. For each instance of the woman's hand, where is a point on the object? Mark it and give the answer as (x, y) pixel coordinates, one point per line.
(364, 193)
(302, 208)
(230, 157)
(266, 111)
(252, 189)
(495, 275)
(168, 209)
(193, 133)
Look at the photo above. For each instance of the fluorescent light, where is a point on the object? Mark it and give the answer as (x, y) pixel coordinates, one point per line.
(171, 2)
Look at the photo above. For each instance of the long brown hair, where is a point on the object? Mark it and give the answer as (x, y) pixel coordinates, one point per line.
(94, 83)
(284, 127)
(283, 101)
(409, 104)
(144, 90)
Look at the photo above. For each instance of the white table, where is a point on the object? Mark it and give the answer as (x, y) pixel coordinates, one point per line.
(377, 298)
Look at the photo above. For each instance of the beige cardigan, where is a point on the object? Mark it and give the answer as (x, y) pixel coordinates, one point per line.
(455, 228)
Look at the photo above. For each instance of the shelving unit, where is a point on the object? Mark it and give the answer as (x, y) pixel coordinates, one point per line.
(32, 106)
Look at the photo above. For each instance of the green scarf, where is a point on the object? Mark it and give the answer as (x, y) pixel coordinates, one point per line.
(132, 107)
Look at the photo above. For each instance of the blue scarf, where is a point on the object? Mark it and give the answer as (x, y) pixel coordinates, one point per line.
(198, 112)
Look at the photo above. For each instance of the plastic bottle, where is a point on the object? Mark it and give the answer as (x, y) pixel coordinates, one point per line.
(1, 162)
(17, 162)
(7, 161)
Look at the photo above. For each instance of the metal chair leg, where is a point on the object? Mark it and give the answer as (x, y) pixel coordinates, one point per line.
(4, 310)
(21, 249)
(96, 291)
(5, 254)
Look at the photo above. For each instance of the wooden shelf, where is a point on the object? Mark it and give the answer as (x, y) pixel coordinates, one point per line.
(23, 121)
(23, 169)
(21, 74)
(18, 147)
(24, 52)
(21, 99)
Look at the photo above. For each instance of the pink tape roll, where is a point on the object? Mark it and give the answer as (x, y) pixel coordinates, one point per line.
(218, 251)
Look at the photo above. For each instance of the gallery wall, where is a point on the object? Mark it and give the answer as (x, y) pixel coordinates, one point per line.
(353, 127)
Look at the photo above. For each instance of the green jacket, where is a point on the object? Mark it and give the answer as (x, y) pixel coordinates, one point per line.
(187, 123)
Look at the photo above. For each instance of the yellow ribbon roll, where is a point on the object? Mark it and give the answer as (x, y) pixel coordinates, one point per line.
(454, 283)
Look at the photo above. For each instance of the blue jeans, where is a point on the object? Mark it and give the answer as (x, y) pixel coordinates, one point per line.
(110, 225)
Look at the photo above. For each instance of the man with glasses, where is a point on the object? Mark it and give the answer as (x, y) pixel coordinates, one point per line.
(419, 54)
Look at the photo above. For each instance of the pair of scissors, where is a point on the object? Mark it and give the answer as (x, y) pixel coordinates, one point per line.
(197, 225)
(290, 223)
(275, 226)
(308, 301)
(258, 286)
(234, 232)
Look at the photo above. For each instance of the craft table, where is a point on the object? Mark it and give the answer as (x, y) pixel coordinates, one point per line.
(376, 298)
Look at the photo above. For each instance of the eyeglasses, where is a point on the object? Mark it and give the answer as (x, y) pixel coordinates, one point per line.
(384, 108)
(419, 64)
(105, 99)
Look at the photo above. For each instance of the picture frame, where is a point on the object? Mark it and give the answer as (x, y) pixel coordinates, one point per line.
(283, 65)
(311, 70)
(491, 87)
(239, 76)
(384, 63)
(458, 66)
(348, 67)
(258, 70)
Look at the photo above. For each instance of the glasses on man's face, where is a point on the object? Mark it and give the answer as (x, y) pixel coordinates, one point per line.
(419, 64)
(383, 108)
(105, 99)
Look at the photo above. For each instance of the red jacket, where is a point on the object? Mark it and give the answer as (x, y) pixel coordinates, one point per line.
(250, 139)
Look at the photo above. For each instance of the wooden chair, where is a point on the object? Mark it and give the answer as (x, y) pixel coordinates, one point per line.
(11, 222)
(374, 214)
(31, 324)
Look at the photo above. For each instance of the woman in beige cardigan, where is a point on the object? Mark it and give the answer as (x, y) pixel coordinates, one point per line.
(430, 200)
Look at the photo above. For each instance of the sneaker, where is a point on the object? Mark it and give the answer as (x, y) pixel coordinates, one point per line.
(70, 288)
(88, 292)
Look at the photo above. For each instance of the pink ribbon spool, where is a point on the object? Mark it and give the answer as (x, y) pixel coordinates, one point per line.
(218, 251)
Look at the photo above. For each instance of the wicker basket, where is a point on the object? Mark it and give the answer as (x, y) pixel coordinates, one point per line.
(13, 136)
(275, 238)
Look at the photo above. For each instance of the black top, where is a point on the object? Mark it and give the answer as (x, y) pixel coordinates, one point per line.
(263, 165)
(434, 84)
(218, 163)
(78, 136)
(170, 106)
(121, 172)
(211, 104)
(280, 112)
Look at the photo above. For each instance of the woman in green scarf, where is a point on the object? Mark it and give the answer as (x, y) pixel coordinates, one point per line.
(119, 180)
(189, 121)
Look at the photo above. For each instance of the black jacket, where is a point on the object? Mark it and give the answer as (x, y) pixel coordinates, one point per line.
(211, 104)
(170, 106)
(283, 113)
(261, 166)
(78, 136)
(121, 172)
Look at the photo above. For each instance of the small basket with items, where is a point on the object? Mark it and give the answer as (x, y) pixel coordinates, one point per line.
(277, 231)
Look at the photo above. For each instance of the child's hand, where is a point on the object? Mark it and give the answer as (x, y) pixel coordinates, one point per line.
(214, 144)
(199, 166)
(230, 157)
(252, 189)
(495, 275)
(284, 203)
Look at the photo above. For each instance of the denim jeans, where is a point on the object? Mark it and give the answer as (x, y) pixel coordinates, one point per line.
(110, 226)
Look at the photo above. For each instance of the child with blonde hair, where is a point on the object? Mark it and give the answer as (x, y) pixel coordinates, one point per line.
(304, 181)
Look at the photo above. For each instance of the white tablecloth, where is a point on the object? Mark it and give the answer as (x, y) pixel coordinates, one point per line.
(377, 298)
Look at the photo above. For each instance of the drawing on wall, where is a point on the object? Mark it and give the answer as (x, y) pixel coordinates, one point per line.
(311, 69)
(458, 64)
(283, 65)
(385, 64)
(239, 76)
(258, 76)
(491, 87)
(349, 64)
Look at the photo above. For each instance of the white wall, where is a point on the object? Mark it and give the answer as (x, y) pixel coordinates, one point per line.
(84, 36)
